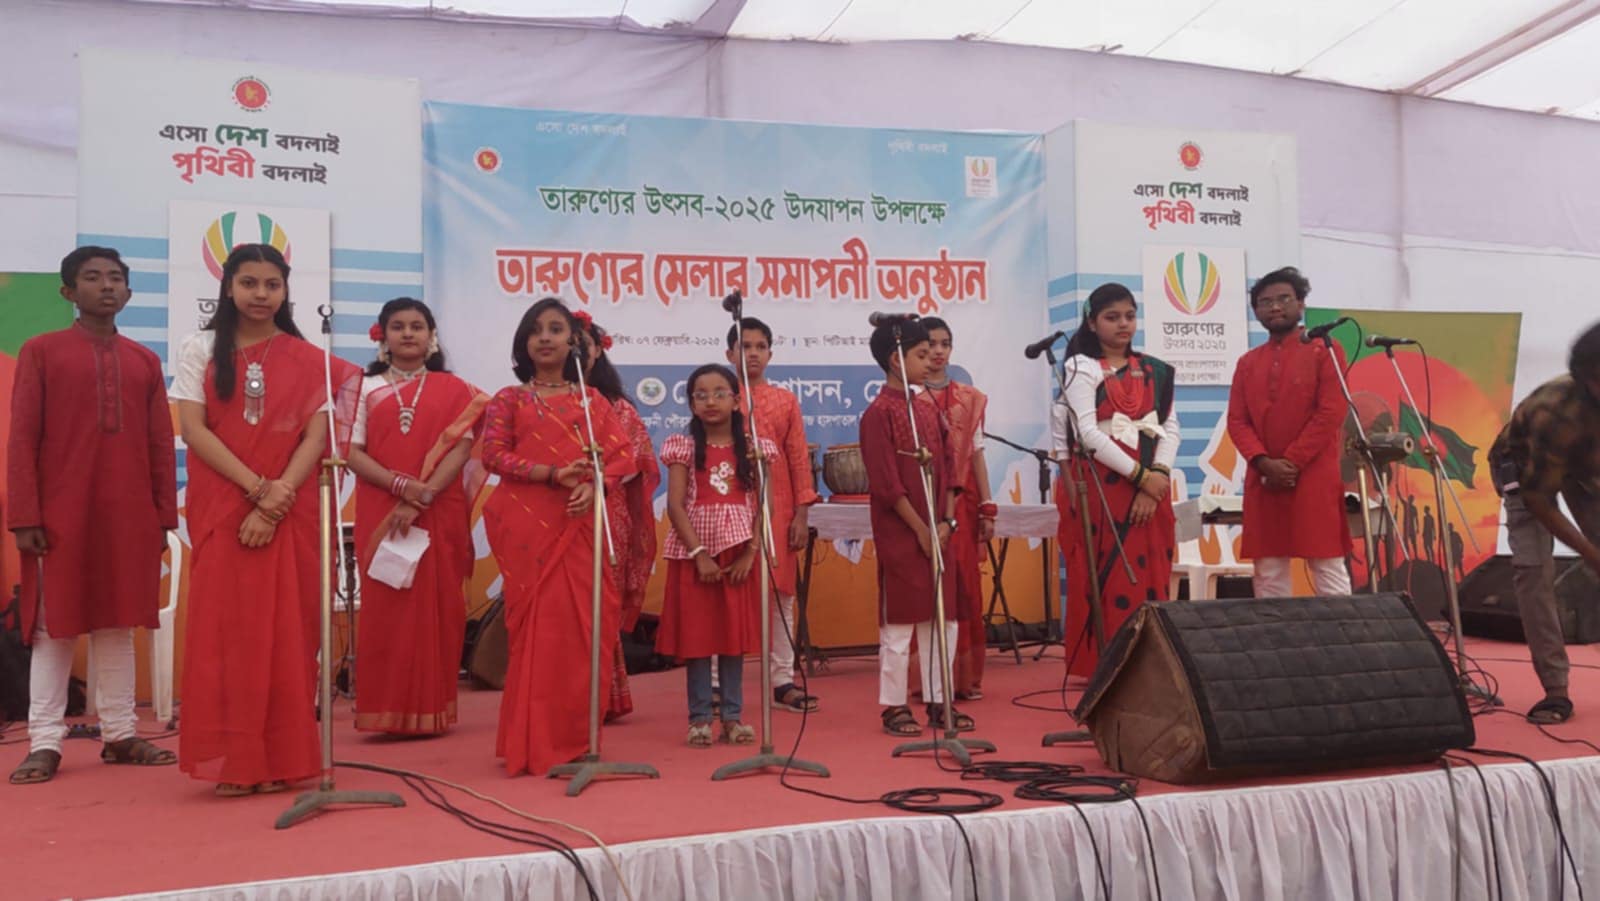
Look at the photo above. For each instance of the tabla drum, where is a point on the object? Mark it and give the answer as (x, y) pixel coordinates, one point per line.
(843, 469)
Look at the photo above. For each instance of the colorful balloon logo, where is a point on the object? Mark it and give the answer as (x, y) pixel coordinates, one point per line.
(1178, 280)
(230, 230)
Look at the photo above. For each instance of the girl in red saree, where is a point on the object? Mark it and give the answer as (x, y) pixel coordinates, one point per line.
(539, 525)
(252, 408)
(1118, 403)
(413, 436)
(631, 508)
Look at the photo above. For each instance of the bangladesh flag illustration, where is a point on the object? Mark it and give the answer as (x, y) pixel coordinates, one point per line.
(1456, 454)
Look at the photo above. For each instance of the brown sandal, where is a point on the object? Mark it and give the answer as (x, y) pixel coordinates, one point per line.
(38, 766)
(136, 751)
(233, 790)
(901, 721)
(964, 723)
(737, 733)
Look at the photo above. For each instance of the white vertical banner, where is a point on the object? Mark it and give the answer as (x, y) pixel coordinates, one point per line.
(201, 234)
(1195, 310)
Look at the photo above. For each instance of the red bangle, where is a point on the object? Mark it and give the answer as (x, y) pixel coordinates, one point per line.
(988, 510)
(397, 486)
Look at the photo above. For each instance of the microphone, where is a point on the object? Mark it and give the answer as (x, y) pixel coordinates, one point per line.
(1381, 341)
(1321, 331)
(733, 303)
(1032, 351)
(879, 319)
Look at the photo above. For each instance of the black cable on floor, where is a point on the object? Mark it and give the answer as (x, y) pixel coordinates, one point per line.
(1455, 845)
(436, 798)
(912, 800)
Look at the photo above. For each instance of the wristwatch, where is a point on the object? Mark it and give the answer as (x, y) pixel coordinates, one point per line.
(954, 524)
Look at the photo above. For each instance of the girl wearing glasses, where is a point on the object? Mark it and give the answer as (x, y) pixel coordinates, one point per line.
(712, 604)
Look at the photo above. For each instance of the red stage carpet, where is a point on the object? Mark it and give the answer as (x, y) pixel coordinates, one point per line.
(100, 830)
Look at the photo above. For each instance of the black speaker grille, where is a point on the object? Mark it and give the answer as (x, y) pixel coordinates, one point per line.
(1309, 680)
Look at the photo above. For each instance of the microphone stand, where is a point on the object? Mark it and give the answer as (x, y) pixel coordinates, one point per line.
(1052, 634)
(1430, 451)
(952, 742)
(1082, 466)
(766, 757)
(1364, 448)
(584, 770)
(330, 547)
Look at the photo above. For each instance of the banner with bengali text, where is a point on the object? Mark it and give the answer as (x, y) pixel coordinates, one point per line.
(649, 222)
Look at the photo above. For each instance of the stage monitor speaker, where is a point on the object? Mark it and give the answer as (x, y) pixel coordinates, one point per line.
(1196, 691)
(487, 657)
(1489, 601)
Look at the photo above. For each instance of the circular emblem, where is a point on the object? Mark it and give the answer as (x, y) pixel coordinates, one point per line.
(651, 391)
(1190, 155)
(487, 159)
(251, 94)
(232, 229)
(1192, 289)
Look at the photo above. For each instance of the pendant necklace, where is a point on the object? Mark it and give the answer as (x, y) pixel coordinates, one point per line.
(408, 412)
(255, 384)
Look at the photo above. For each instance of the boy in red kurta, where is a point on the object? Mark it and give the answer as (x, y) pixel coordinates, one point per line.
(901, 530)
(962, 409)
(92, 482)
(790, 494)
(1285, 413)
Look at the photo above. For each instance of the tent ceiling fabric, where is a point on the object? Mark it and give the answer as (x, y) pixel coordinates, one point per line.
(1519, 54)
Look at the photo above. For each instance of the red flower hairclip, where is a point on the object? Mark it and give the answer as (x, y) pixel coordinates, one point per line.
(605, 342)
(376, 333)
(584, 317)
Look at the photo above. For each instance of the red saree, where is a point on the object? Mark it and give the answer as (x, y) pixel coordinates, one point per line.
(633, 525)
(409, 640)
(1145, 386)
(250, 647)
(545, 559)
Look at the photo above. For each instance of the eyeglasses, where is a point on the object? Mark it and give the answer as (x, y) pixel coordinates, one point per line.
(701, 397)
(1270, 302)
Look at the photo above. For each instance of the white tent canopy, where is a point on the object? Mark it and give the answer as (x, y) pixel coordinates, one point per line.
(1534, 55)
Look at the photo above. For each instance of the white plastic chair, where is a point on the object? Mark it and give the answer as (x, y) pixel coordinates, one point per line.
(1190, 563)
(162, 638)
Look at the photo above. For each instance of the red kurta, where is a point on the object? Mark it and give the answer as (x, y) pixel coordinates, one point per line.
(778, 420)
(633, 525)
(90, 460)
(706, 619)
(546, 559)
(905, 576)
(410, 640)
(962, 407)
(250, 649)
(1285, 402)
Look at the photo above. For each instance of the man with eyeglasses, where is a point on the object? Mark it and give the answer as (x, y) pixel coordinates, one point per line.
(1285, 416)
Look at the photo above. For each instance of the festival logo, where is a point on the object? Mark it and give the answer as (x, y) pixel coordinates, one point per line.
(1192, 269)
(1190, 155)
(251, 94)
(231, 229)
(651, 391)
(487, 159)
(982, 180)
